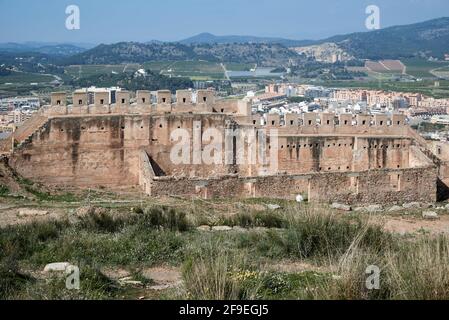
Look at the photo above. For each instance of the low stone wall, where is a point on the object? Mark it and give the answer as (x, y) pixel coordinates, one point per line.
(146, 173)
(374, 186)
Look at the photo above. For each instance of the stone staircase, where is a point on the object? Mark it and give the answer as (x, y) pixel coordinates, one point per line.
(422, 144)
(24, 133)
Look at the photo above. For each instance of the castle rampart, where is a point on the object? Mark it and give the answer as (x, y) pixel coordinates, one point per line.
(324, 157)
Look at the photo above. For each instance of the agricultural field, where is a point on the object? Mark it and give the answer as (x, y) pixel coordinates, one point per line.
(239, 66)
(426, 87)
(421, 68)
(196, 70)
(442, 72)
(25, 78)
(417, 68)
(85, 71)
(19, 84)
(158, 66)
(385, 66)
(420, 77)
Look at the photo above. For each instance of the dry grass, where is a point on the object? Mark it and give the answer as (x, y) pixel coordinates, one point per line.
(230, 265)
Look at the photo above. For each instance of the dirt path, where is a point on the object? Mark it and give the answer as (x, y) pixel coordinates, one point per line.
(408, 225)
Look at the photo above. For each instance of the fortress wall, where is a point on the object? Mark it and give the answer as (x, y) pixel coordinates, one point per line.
(105, 149)
(146, 173)
(341, 130)
(441, 150)
(82, 151)
(239, 110)
(363, 159)
(379, 186)
(58, 99)
(306, 154)
(197, 127)
(312, 154)
(369, 184)
(379, 152)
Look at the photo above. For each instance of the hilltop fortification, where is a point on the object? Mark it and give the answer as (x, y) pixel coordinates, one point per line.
(363, 158)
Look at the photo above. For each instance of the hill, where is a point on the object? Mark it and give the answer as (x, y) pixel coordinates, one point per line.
(425, 39)
(53, 49)
(133, 82)
(208, 38)
(134, 52)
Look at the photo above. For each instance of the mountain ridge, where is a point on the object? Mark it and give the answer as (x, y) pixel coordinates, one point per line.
(209, 38)
(50, 48)
(424, 39)
(430, 37)
(135, 52)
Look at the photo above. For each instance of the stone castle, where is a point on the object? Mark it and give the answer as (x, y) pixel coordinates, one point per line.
(323, 157)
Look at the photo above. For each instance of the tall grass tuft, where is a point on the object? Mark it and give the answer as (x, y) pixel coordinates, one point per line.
(315, 234)
(210, 274)
(17, 242)
(162, 218)
(266, 219)
(419, 270)
(11, 279)
(101, 221)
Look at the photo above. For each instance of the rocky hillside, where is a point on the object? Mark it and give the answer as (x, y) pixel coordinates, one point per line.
(326, 52)
(426, 39)
(133, 82)
(208, 38)
(124, 52)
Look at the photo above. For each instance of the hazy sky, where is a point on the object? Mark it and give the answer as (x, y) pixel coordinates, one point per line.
(106, 21)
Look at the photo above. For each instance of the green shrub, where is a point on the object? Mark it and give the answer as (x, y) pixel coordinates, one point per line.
(213, 274)
(269, 219)
(276, 284)
(101, 221)
(47, 196)
(94, 285)
(138, 210)
(281, 285)
(162, 217)
(4, 190)
(21, 241)
(11, 279)
(243, 219)
(313, 235)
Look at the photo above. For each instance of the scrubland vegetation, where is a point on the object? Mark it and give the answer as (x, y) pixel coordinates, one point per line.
(249, 261)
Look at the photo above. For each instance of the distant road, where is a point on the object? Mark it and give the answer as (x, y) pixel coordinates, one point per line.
(225, 71)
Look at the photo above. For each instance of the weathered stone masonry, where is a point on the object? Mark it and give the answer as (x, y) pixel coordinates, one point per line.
(364, 159)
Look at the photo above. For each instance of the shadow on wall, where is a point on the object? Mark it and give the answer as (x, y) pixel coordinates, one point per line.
(442, 191)
(157, 169)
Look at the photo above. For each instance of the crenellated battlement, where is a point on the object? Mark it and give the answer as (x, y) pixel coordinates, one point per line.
(328, 123)
(137, 139)
(144, 102)
(313, 119)
(205, 103)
